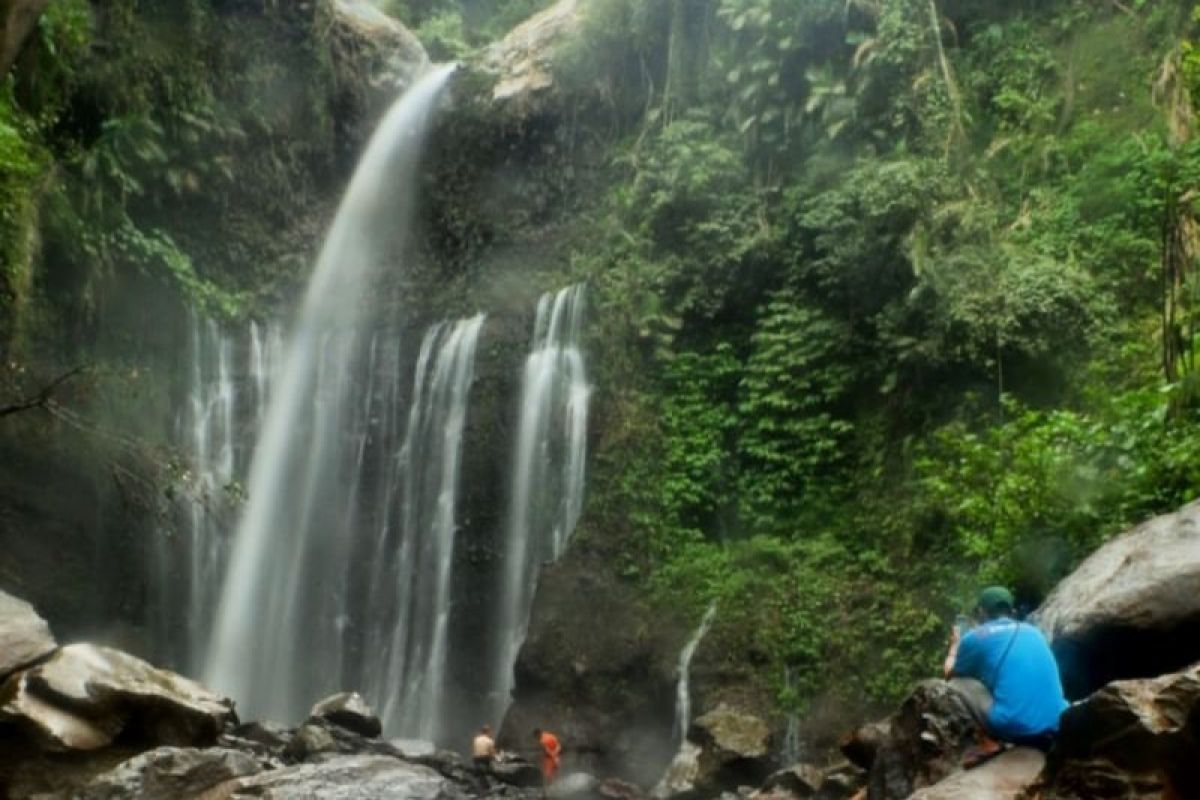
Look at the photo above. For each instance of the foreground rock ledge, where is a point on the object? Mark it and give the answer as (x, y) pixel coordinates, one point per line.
(1132, 608)
(84, 696)
(24, 635)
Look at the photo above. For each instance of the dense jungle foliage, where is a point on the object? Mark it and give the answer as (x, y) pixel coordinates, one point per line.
(898, 298)
(891, 297)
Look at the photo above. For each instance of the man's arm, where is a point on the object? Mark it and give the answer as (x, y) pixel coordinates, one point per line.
(952, 655)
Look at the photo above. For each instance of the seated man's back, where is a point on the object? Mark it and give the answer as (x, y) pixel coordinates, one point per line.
(1013, 660)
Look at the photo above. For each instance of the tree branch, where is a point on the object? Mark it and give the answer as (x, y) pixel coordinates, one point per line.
(43, 397)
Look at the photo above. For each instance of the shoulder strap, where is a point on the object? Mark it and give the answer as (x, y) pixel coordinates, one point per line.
(1000, 663)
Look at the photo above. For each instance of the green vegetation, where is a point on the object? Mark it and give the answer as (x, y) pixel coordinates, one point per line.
(908, 288)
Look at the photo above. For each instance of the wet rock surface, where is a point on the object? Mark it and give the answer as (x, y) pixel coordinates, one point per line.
(1131, 739)
(1005, 777)
(84, 696)
(350, 711)
(1132, 609)
(523, 61)
(923, 742)
(24, 635)
(735, 749)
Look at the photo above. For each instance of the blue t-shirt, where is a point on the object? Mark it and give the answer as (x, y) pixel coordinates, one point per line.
(1026, 689)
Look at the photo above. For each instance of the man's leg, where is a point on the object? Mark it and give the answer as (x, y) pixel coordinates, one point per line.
(978, 700)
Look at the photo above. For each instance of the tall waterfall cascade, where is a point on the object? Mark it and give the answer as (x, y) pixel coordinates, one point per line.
(549, 454)
(407, 649)
(291, 624)
(227, 390)
(683, 691)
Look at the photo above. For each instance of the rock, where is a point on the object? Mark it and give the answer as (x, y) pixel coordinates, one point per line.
(682, 774)
(798, 780)
(24, 636)
(861, 745)
(18, 19)
(344, 778)
(310, 740)
(735, 749)
(1005, 777)
(350, 711)
(167, 773)
(1138, 738)
(842, 782)
(374, 46)
(517, 772)
(1131, 609)
(925, 742)
(51, 726)
(523, 60)
(84, 695)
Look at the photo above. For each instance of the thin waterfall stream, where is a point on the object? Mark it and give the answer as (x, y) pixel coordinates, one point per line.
(549, 456)
(683, 693)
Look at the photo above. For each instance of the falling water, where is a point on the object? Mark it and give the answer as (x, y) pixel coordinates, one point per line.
(683, 695)
(548, 472)
(406, 656)
(228, 384)
(290, 598)
(792, 750)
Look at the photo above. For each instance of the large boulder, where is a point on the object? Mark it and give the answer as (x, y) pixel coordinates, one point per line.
(1131, 739)
(84, 696)
(350, 711)
(523, 61)
(923, 743)
(735, 749)
(345, 778)
(376, 47)
(24, 636)
(1132, 609)
(165, 773)
(1005, 777)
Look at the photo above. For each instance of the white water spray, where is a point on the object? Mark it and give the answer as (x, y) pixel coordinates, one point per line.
(548, 473)
(683, 692)
(287, 601)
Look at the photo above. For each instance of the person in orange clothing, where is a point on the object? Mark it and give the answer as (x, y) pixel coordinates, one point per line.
(551, 750)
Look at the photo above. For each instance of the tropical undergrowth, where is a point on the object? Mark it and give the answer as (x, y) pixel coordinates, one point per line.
(896, 298)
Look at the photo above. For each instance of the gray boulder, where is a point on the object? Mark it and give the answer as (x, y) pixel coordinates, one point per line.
(345, 778)
(24, 636)
(523, 61)
(923, 743)
(1131, 739)
(350, 711)
(84, 696)
(166, 773)
(682, 774)
(517, 772)
(374, 46)
(1005, 777)
(310, 740)
(1131, 609)
(735, 749)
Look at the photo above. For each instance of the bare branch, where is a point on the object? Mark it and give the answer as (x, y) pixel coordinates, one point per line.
(43, 397)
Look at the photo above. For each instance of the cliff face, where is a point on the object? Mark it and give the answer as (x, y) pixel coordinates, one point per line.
(191, 158)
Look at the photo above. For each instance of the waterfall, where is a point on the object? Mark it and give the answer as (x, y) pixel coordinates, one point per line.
(547, 473)
(407, 659)
(792, 750)
(227, 389)
(290, 612)
(683, 695)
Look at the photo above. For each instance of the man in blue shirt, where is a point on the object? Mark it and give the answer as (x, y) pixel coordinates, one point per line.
(1008, 677)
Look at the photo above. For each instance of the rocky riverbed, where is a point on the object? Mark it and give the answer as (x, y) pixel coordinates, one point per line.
(89, 722)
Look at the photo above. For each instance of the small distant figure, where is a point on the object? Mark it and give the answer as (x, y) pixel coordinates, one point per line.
(551, 750)
(483, 749)
(1005, 672)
